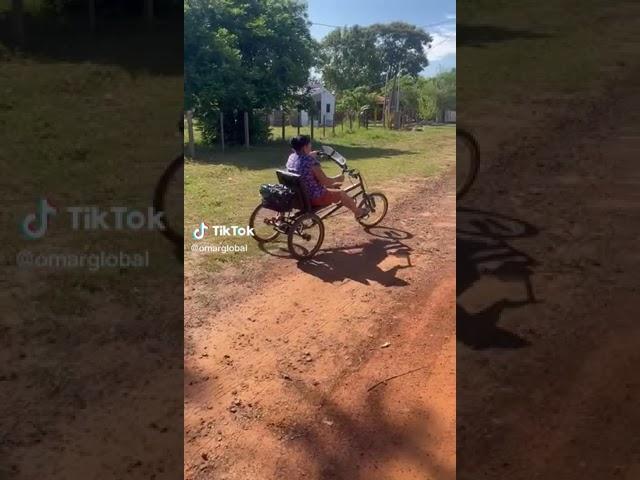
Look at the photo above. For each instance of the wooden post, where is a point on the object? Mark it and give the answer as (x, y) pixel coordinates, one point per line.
(333, 125)
(342, 124)
(311, 116)
(148, 10)
(222, 130)
(192, 145)
(299, 120)
(350, 122)
(324, 134)
(246, 129)
(283, 124)
(92, 15)
(17, 13)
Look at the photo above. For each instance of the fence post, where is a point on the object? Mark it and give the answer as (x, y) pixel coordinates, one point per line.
(311, 116)
(333, 126)
(350, 122)
(342, 124)
(299, 120)
(324, 134)
(283, 124)
(192, 146)
(246, 129)
(222, 130)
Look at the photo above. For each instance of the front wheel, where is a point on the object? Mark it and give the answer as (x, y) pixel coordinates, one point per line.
(377, 205)
(305, 236)
(263, 222)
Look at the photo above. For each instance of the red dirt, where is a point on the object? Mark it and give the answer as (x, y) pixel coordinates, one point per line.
(281, 374)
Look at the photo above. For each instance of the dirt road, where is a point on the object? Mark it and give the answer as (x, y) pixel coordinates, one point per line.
(284, 360)
(548, 297)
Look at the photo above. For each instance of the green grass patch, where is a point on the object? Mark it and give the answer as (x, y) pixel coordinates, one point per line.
(222, 188)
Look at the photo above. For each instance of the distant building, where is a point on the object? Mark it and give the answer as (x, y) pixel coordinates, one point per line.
(449, 116)
(325, 102)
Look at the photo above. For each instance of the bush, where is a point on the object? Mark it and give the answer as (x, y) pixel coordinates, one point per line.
(233, 127)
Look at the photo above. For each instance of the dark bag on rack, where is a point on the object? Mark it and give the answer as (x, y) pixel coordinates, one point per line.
(277, 197)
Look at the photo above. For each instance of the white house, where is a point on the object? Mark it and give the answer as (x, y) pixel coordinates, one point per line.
(325, 104)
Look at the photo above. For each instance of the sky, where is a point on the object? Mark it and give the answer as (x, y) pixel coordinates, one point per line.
(425, 13)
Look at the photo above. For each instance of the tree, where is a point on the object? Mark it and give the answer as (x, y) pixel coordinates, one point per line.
(351, 102)
(402, 47)
(240, 56)
(357, 56)
(349, 58)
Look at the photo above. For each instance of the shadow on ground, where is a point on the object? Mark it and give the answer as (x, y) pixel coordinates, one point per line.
(363, 442)
(274, 155)
(480, 36)
(362, 263)
(483, 250)
(125, 43)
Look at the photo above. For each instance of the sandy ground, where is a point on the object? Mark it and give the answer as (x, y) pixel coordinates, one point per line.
(284, 360)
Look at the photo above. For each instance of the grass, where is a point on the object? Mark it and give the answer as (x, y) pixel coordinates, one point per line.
(222, 189)
(538, 48)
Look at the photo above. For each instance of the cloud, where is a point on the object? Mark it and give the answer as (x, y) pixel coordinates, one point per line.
(443, 44)
(450, 16)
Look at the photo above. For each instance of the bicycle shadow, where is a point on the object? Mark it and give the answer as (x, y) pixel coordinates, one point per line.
(482, 251)
(365, 263)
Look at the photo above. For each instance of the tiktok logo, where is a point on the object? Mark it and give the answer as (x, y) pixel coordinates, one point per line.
(35, 225)
(198, 233)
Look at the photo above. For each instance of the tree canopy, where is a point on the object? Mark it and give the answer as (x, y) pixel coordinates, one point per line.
(241, 55)
(356, 56)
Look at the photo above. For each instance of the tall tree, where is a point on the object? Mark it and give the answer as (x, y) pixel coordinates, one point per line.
(349, 58)
(243, 55)
(356, 56)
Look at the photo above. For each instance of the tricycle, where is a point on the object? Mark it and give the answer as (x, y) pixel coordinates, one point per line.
(303, 223)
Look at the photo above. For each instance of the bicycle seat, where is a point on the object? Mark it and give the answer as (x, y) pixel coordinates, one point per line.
(294, 182)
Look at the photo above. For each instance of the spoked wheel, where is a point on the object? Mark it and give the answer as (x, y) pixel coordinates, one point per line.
(168, 198)
(305, 236)
(263, 223)
(467, 161)
(377, 205)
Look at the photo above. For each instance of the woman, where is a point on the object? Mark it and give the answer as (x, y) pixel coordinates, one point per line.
(322, 190)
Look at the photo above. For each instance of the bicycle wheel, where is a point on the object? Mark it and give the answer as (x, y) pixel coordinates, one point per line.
(377, 204)
(305, 236)
(467, 162)
(263, 221)
(168, 198)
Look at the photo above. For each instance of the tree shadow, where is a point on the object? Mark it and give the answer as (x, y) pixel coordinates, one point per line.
(123, 42)
(337, 264)
(370, 438)
(480, 36)
(275, 154)
(482, 251)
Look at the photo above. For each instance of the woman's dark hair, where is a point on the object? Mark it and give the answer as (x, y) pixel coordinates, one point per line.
(300, 141)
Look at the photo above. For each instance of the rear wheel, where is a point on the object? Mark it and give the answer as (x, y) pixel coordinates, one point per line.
(263, 222)
(467, 162)
(168, 198)
(305, 236)
(377, 205)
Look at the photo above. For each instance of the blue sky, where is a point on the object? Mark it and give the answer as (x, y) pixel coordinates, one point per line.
(442, 55)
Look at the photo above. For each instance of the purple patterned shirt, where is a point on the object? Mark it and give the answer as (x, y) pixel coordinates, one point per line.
(302, 165)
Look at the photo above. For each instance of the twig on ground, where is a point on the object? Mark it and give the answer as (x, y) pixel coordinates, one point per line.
(394, 376)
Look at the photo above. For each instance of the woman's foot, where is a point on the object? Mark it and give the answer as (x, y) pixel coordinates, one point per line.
(361, 213)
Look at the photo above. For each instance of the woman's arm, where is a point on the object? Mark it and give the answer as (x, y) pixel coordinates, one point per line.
(323, 179)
